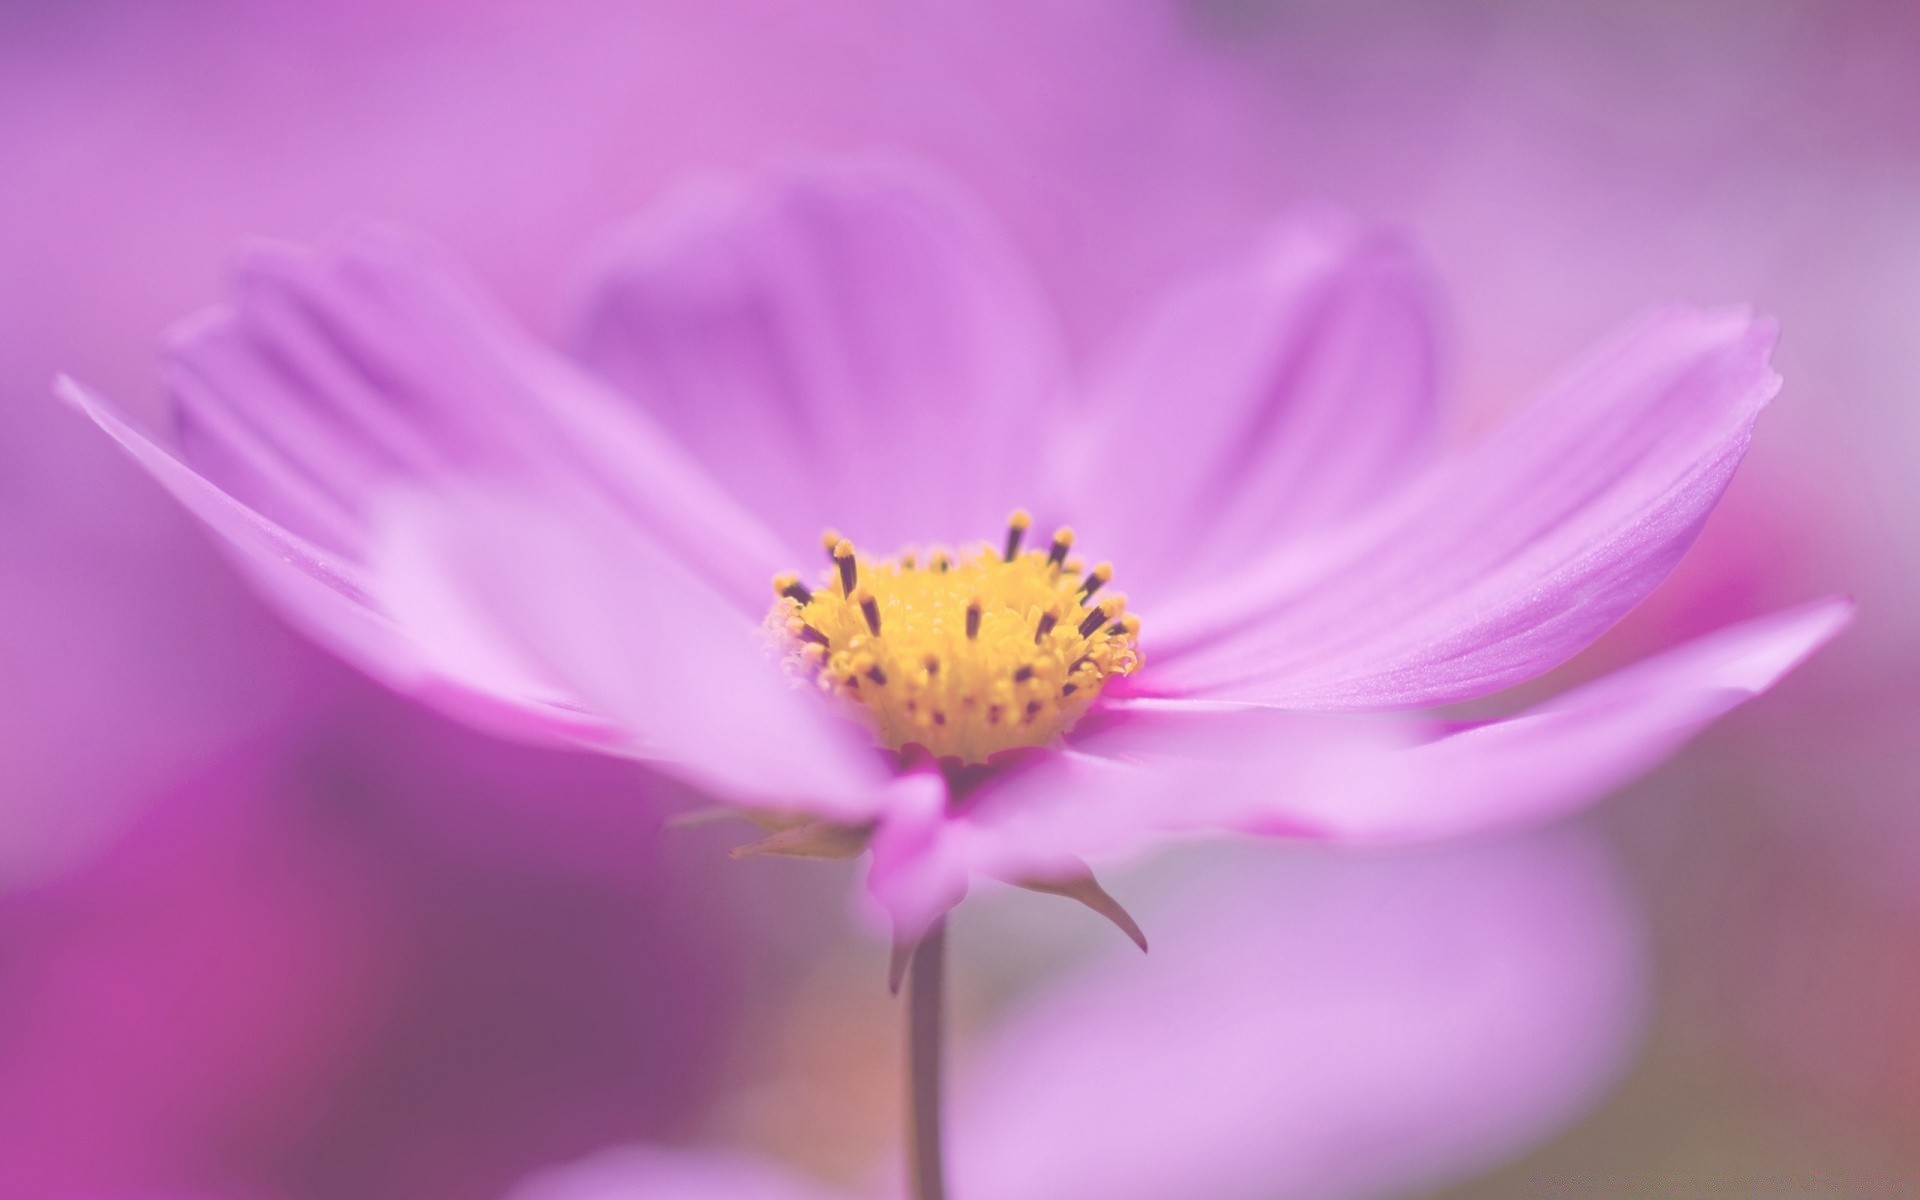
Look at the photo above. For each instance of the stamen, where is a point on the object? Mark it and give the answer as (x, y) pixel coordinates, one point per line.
(789, 585)
(869, 608)
(831, 539)
(1096, 579)
(966, 656)
(849, 570)
(1102, 612)
(1048, 620)
(1016, 529)
(1062, 542)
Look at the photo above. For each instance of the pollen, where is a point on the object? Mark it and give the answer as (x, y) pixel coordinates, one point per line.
(964, 654)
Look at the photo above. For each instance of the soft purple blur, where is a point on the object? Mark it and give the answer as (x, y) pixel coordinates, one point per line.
(1362, 1028)
(1562, 167)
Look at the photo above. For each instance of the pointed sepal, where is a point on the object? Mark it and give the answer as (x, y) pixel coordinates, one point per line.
(1087, 890)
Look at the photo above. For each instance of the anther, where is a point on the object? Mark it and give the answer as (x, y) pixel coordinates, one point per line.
(831, 539)
(941, 561)
(1101, 613)
(789, 585)
(1096, 579)
(869, 608)
(1047, 621)
(849, 571)
(1016, 529)
(877, 675)
(808, 633)
(1023, 674)
(973, 619)
(1068, 689)
(932, 663)
(1062, 541)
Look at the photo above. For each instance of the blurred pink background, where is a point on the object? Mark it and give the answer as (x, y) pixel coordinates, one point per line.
(267, 933)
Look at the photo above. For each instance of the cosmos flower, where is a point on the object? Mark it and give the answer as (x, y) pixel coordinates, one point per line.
(1259, 559)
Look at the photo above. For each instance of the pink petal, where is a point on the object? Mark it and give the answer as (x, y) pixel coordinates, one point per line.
(542, 596)
(333, 376)
(1506, 560)
(659, 1173)
(1316, 1027)
(1159, 767)
(844, 346)
(1578, 747)
(1275, 395)
(331, 599)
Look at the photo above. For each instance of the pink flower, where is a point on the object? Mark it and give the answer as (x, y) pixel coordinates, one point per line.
(577, 550)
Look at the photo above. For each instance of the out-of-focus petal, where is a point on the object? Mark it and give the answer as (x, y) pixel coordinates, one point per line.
(1324, 1028)
(545, 597)
(1507, 559)
(323, 593)
(919, 871)
(331, 599)
(848, 346)
(1278, 394)
(333, 376)
(656, 1173)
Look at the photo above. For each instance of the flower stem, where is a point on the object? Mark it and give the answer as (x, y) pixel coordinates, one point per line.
(926, 1167)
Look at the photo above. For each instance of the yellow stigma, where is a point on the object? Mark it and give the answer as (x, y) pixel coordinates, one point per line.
(966, 655)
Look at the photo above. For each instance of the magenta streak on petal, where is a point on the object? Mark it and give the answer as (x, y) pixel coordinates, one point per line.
(1268, 397)
(1504, 561)
(531, 589)
(843, 345)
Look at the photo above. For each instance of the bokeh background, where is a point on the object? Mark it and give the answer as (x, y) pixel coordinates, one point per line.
(269, 933)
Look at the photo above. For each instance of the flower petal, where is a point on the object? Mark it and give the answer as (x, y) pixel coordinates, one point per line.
(332, 600)
(552, 595)
(843, 346)
(1576, 748)
(1507, 559)
(659, 1173)
(1290, 389)
(1317, 1027)
(1158, 767)
(333, 376)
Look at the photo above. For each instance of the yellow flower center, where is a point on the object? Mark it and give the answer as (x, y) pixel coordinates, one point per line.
(966, 655)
